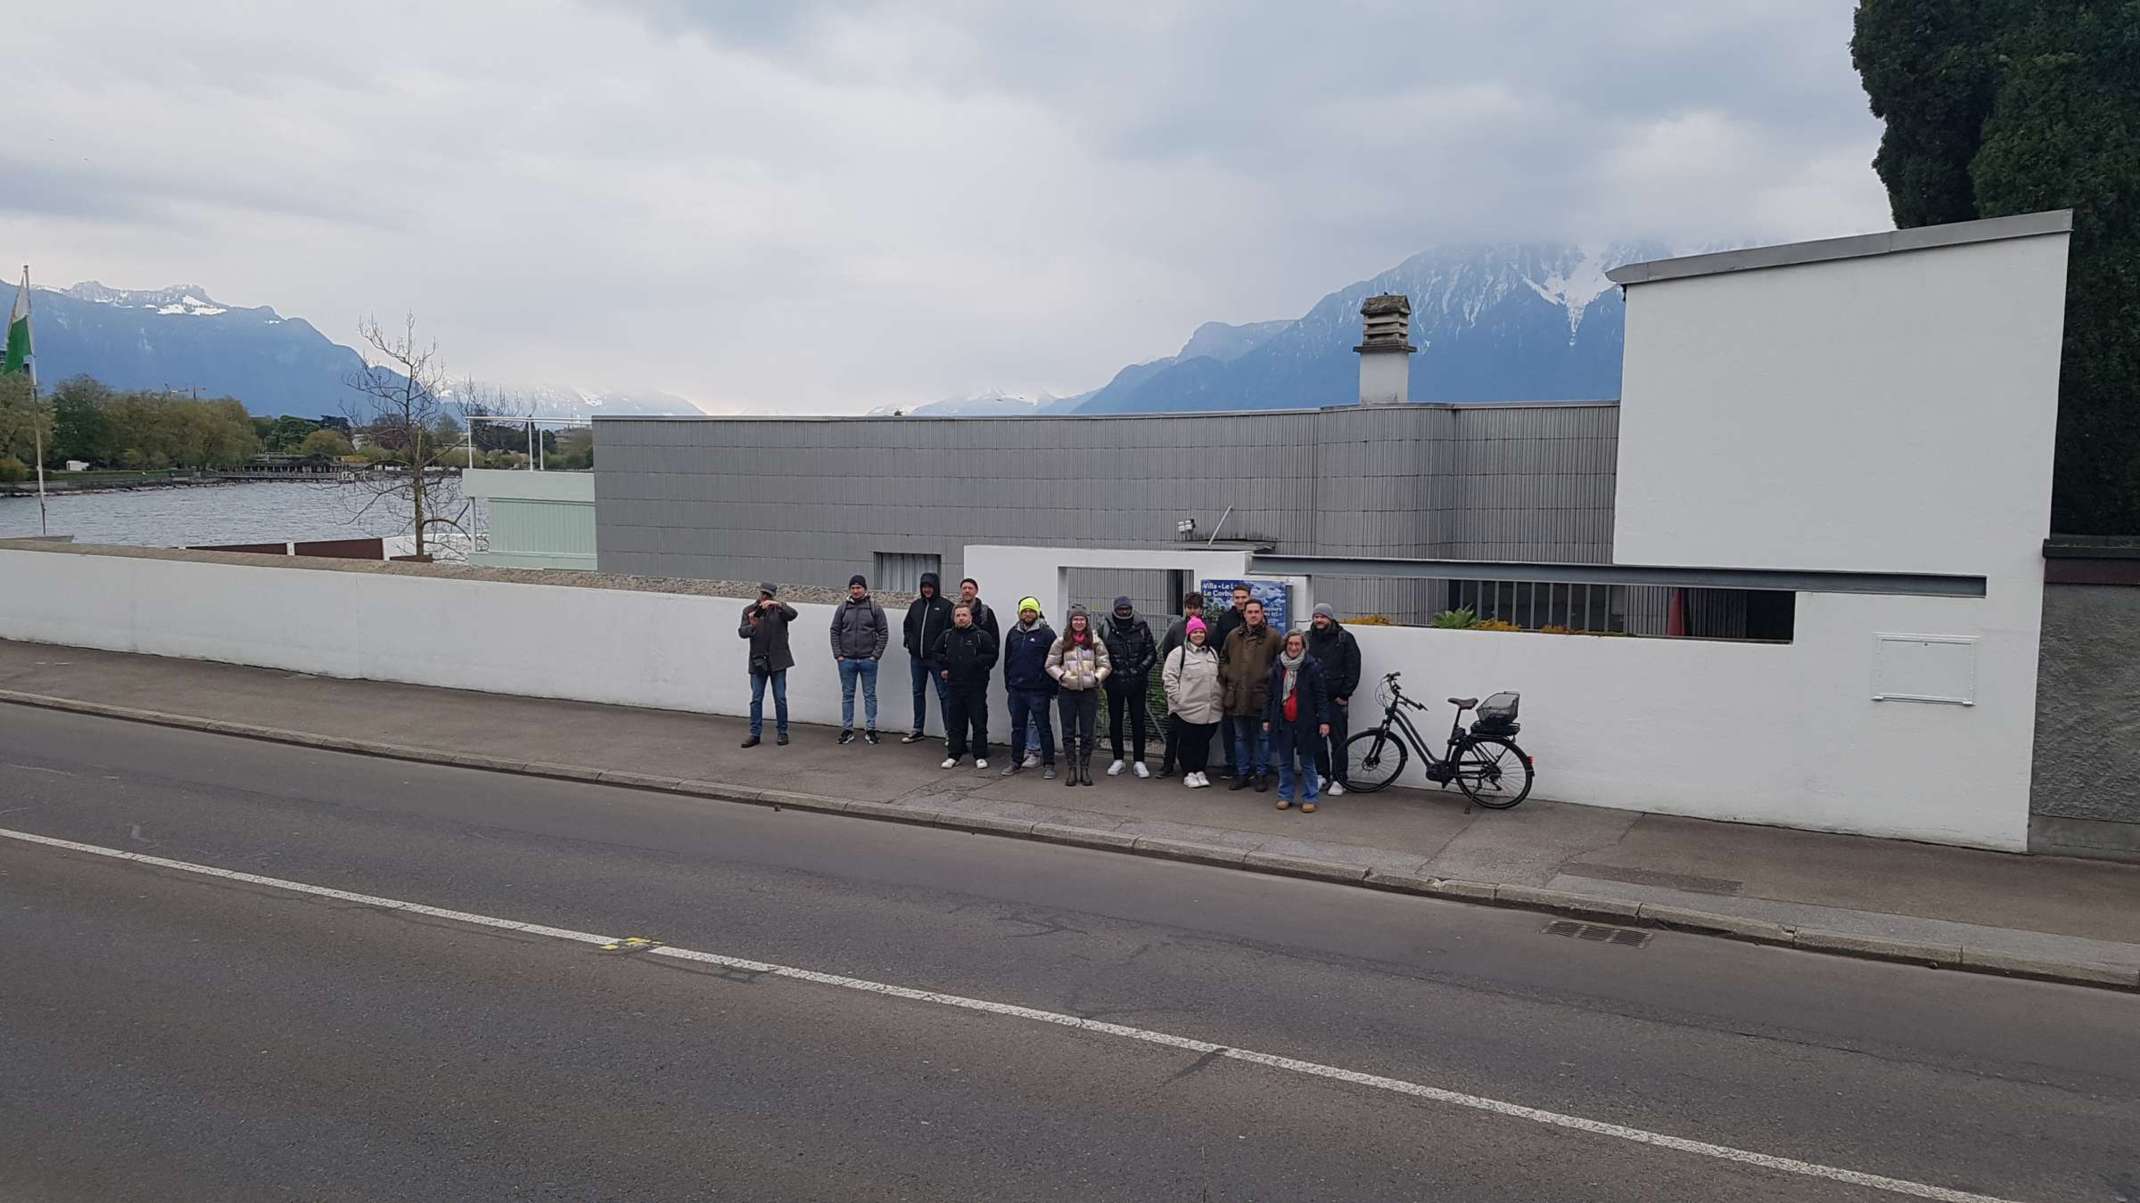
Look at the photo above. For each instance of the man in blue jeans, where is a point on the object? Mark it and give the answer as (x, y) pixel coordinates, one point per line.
(765, 624)
(1245, 685)
(927, 620)
(859, 636)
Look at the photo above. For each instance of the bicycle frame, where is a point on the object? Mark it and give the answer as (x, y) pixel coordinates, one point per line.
(1394, 720)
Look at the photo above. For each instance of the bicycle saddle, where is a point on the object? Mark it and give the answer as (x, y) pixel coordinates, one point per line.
(1463, 703)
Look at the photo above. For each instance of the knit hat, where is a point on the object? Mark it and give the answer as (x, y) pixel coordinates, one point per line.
(857, 579)
(1122, 603)
(1194, 625)
(767, 589)
(1029, 603)
(1323, 610)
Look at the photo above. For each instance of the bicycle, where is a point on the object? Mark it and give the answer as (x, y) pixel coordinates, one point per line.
(1484, 762)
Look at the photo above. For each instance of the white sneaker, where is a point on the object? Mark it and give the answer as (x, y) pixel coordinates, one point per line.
(1203, 781)
(1032, 760)
(1333, 789)
(1115, 769)
(950, 762)
(1140, 770)
(980, 764)
(1189, 779)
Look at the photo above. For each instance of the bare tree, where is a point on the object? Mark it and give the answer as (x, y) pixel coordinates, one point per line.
(399, 413)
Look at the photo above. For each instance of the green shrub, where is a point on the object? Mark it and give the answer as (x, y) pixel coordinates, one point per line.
(1455, 620)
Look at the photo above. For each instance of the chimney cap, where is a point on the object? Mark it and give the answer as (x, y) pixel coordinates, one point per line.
(1387, 324)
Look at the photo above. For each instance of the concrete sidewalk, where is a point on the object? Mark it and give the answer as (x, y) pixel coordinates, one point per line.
(2067, 920)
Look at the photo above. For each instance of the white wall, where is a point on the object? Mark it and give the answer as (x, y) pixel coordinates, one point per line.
(1890, 413)
(1768, 733)
(1781, 734)
(1884, 413)
(664, 650)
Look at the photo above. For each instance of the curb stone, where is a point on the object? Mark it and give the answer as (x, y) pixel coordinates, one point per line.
(1565, 902)
(1190, 850)
(1305, 866)
(1878, 947)
(1949, 956)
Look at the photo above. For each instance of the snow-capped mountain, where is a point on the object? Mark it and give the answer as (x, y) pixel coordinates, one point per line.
(1533, 321)
(182, 339)
(558, 401)
(993, 403)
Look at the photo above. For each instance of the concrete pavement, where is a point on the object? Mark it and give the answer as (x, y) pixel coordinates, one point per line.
(2047, 917)
(169, 1034)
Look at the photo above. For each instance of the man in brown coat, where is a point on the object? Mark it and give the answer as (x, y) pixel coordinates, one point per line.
(1245, 672)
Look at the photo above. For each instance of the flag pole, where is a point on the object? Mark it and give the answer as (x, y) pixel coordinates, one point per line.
(37, 429)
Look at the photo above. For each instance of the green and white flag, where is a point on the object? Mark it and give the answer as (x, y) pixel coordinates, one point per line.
(19, 356)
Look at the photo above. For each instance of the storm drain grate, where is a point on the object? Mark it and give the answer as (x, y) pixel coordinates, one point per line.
(1598, 933)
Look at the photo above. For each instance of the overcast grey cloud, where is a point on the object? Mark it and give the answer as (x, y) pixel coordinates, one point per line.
(830, 206)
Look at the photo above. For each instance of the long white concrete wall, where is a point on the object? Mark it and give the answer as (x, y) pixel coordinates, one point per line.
(1786, 734)
(667, 650)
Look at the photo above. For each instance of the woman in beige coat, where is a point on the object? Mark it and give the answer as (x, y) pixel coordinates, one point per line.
(1194, 699)
(1078, 661)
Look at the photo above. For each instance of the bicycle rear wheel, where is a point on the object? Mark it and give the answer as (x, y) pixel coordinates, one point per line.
(1373, 759)
(1494, 773)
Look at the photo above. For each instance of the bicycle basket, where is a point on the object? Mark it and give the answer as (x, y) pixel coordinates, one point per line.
(1497, 715)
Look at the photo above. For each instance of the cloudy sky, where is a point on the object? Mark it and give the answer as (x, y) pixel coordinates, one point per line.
(827, 206)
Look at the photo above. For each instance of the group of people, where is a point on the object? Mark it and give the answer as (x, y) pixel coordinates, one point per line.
(1281, 698)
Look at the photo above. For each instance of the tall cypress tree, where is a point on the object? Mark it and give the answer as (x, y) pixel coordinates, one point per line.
(1996, 107)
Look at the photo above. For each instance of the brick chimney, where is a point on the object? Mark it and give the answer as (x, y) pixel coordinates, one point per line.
(1386, 350)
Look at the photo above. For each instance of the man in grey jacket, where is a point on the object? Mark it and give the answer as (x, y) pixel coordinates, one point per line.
(859, 636)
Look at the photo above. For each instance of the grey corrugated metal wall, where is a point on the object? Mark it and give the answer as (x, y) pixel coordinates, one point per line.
(812, 500)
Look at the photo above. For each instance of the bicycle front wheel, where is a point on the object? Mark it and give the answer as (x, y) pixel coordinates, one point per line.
(1494, 773)
(1373, 759)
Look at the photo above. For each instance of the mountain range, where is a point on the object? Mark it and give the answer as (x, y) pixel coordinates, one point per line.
(1527, 321)
(181, 339)
(1494, 322)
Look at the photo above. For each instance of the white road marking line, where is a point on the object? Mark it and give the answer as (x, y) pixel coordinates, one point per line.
(1788, 1165)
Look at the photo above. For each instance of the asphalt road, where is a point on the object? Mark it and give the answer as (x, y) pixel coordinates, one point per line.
(170, 1035)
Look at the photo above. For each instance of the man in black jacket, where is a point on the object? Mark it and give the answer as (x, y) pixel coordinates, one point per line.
(1029, 688)
(983, 617)
(928, 617)
(1133, 651)
(1339, 653)
(1229, 621)
(963, 658)
(765, 624)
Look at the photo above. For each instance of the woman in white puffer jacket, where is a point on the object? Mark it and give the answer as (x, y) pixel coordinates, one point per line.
(1191, 678)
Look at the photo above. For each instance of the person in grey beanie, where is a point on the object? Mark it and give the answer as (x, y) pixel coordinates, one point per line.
(1078, 661)
(1339, 653)
(1133, 652)
(859, 636)
(765, 624)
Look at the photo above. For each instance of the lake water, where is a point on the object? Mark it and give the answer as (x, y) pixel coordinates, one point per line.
(248, 512)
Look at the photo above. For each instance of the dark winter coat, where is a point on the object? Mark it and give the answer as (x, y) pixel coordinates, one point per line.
(1131, 647)
(1339, 654)
(1222, 627)
(1245, 668)
(1314, 708)
(1025, 659)
(927, 617)
(769, 634)
(984, 617)
(859, 630)
(967, 653)
(1178, 634)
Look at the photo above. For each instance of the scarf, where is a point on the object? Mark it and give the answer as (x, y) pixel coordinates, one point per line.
(1292, 678)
